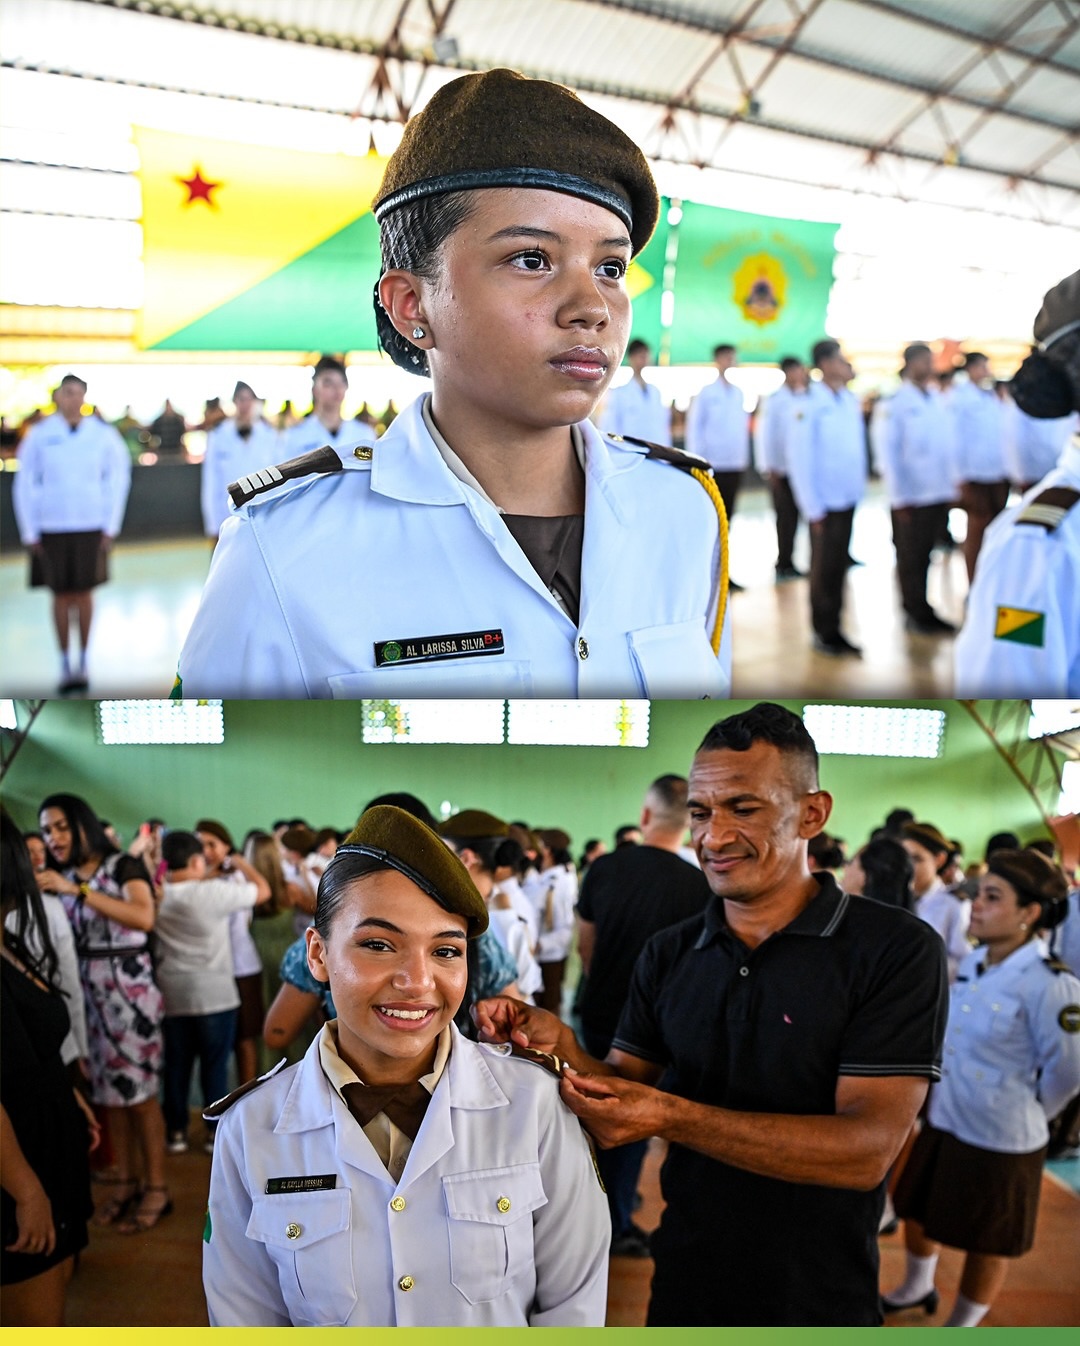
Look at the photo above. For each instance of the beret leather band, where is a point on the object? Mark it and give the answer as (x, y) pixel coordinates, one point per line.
(376, 853)
(1056, 336)
(474, 178)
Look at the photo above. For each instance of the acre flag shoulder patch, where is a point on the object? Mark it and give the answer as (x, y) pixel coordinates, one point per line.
(1020, 625)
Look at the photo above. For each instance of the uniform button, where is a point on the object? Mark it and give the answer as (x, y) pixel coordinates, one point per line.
(398, 1203)
(744, 972)
(406, 1283)
(364, 452)
(582, 648)
(502, 1205)
(952, 1051)
(978, 1074)
(995, 1007)
(292, 1231)
(966, 1009)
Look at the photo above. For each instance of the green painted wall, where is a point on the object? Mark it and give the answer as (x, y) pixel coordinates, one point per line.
(288, 758)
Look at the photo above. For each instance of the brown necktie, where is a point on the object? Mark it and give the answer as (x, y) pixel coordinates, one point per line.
(404, 1104)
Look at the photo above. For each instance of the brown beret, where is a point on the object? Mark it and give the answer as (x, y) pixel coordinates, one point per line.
(473, 823)
(406, 844)
(300, 839)
(927, 836)
(501, 129)
(554, 838)
(1060, 312)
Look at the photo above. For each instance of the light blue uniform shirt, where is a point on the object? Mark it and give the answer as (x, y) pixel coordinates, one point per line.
(718, 428)
(778, 416)
(1021, 635)
(827, 453)
(310, 433)
(1012, 1051)
(308, 578)
(914, 443)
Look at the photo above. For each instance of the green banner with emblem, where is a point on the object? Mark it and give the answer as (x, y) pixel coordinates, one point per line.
(756, 282)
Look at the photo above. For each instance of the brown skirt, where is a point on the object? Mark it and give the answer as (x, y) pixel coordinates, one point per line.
(250, 1015)
(981, 1201)
(69, 563)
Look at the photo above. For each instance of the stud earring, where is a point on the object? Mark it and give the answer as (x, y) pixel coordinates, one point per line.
(1023, 925)
(418, 333)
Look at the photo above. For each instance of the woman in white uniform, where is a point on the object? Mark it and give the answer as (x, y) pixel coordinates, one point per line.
(401, 1175)
(493, 542)
(1012, 1060)
(949, 915)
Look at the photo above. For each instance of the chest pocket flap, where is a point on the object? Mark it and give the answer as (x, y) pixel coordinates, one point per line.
(296, 1221)
(677, 661)
(491, 1241)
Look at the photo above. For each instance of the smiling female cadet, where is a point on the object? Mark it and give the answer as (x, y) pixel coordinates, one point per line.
(493, 542)
(401, 1175)
(1012, 1060)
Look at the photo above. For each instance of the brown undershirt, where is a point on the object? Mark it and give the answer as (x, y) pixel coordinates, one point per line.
(552, 546)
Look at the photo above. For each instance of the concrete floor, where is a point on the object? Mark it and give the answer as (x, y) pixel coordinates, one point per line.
(143, 614)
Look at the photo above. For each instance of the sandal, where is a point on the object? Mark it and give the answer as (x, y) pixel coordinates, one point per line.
(142, 1220)
(117, 1206)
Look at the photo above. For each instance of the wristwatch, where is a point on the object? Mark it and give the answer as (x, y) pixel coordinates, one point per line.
(83, 893)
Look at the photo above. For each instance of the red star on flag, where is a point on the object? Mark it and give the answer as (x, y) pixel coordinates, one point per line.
(198, 188)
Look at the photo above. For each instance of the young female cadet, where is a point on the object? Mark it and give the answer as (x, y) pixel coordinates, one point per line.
(401, 1175)
(1012, 1059)
(492, 543)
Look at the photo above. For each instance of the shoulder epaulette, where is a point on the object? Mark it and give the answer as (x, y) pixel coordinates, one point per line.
(321, 460)
(665, 453)
(1056, 966)
(223, 1105)
(1049, 507)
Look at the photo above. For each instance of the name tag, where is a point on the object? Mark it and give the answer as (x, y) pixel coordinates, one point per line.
(320, 1182)
(430, 649)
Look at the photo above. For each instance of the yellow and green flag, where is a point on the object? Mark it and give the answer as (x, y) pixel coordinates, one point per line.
(757, 282)
(250, 247)
(1021, 626)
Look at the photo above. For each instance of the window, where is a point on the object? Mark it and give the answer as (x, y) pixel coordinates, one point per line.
(603, 724)
(1053, 717)
(160, 722)
(876, 731)
(598, 724)
(7, 715)
(432, 722)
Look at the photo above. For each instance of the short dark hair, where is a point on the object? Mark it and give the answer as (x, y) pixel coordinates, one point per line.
(330, 364)
(888, 871)
(1043, 845)
(493, 852)
(637, 345)
(765, 723)
(973, 358)
(723, 348)
(895, 820)
(916, 349)
(410, 238)
(179, 849)
(623, 832)
(827, 850)
(824, 350)
(401, 799)
(72, 378)
(790, 362)
(1002, 841)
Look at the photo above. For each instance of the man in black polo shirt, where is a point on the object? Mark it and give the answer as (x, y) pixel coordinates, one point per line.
(625, 898)
(794, 1031)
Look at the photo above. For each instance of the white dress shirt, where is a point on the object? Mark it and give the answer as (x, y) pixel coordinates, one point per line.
(718, 428)
(71, 479)
(637, 409)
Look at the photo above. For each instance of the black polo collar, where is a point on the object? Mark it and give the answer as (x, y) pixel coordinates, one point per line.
(821, 917)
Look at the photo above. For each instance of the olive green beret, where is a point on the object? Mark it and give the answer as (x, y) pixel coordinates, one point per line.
(501, 129)
(406, 844)
(1060, 312)
(473, 823)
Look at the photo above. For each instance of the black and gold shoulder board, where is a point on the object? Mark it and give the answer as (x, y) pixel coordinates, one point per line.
(1049, 507)
(321, 460)
(223, 1105)
(665, 453)
(1056, 966)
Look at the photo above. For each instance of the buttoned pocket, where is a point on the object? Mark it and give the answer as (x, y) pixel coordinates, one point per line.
(488, 676)
(677, 661)
(491, 1237)
(1005, 1015)
(308, 1236)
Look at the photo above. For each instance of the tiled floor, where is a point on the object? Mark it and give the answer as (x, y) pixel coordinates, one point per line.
(143, 614)
(153, 1279)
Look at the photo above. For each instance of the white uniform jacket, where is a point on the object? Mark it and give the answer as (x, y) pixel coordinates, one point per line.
(950, 916)
(553, 893)
(631, 409)
(914, 442)
(777, 417)
(498, 1219)
(71, 480)
(395, 550)
(718, 428)
(979, 417)
(1033, 445)
(310, 433)
(1021, 635)
(228, 458)
(1012, 1051)
(827, 453)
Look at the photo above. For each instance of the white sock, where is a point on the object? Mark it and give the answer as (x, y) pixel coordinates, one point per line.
(966, 1313)
(918, 1281)
(888, 1214)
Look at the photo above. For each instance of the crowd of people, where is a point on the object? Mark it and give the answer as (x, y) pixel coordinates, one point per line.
(787, 1075)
